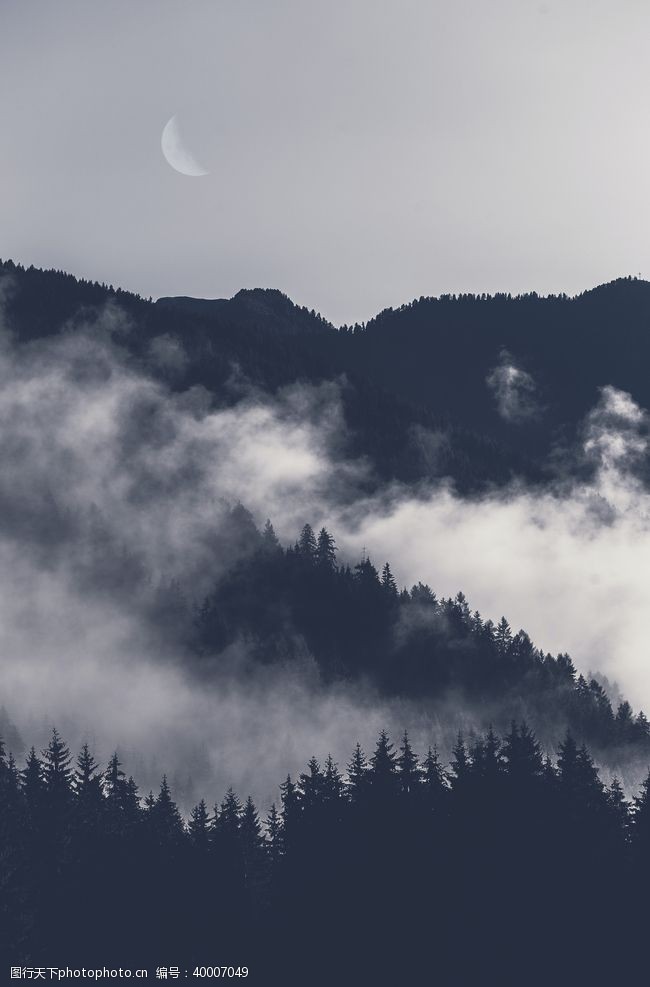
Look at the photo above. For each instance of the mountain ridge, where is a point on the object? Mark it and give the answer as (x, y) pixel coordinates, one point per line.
(507, 382)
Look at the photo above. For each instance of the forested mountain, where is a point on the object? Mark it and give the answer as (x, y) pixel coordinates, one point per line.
(396, 866)
(350, 616)
(261, 339)
(466, 872)
(502, 383)
(359, 626)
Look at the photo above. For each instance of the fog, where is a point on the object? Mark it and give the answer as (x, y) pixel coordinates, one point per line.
(114, 491)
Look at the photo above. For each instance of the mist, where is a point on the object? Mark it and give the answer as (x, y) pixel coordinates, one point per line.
(114, 501)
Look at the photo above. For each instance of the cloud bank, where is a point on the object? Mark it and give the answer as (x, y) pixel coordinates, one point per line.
(113, 496)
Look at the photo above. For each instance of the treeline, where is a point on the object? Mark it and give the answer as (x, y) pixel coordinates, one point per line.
(261, 338)
(358, 623)
(396, 866)
(413, 381)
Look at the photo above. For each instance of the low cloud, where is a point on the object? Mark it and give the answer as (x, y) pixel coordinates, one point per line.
(568, 565)
(114, 488)
(514, 390)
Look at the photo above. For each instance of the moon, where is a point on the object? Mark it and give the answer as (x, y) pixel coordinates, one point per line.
(176, 154)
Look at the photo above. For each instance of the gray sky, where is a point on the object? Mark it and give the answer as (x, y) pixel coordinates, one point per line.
(361, 153)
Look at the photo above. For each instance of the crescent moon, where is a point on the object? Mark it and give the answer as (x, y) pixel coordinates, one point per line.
(176, 154)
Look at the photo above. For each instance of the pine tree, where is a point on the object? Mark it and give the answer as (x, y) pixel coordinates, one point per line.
(388, 582)
(383, 766)
(567, 759)
(310, 786)
(409, 771)
(326, 550)
(366, 577)
(198, 827)
(460, 764)
(32, 781)
(290, 811)
(423, 595)
(641, 726)
(252, 843)
(270, 543)
(114, 780)
(131, 801)
(503, 637)
(522, 754)
(87, 788)
(641, 825)
(228, 818)
(619, 811)
(358, 774)
(87, 784)
(274, 832)
(434, 781)
(492, 761)
(307, 542)
(9, 787)
(624, 723)
(57, 773)
(165, 821)
(462, 609)
(333, 786)
(579, 787)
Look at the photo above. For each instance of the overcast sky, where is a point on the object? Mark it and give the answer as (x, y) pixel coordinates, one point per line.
(361, 152)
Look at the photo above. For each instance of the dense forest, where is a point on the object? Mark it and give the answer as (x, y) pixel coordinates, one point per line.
(515, 856)
(427, 388)
(259, 338)
(398, 867)
(358, 624)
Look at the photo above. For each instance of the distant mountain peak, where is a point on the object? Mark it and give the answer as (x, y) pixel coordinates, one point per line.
(260, 307)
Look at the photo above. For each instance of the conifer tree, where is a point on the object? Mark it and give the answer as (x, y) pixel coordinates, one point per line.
(9, 781)
(32, 781)
(87, 788)
(492, 762)
(274, 832)
(197, 826)
(250, 827)
(310, 786)
(619, 812)
(114, 779)
(358, 773)
(131, 801)
(503, 636)
(326, 550)
(270, 543)
(460, 764)
(388, 582)
(434, 780)
(290, 811)
(333, 786)
(383, 766)
(229, 816)
(641, 825)
(57, 773)
(307, 542)
(522, 754)
(409, 771)
(252, 843)
(87, 783)
(164, 819)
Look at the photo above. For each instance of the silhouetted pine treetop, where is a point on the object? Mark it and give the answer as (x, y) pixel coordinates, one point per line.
(398, 839)
(391, 772)
(358, 625)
